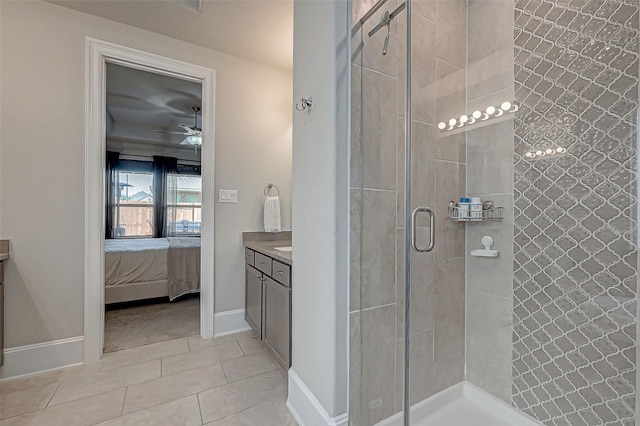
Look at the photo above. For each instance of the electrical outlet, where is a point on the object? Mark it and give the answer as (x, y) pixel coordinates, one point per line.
(228, 196)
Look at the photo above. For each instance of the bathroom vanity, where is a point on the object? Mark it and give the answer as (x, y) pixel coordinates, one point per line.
(4, 255)
(268, 291)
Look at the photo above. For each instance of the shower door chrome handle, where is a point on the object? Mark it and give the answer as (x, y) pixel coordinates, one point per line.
(432, 234)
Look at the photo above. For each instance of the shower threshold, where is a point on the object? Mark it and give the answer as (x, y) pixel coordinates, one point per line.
(462, 405)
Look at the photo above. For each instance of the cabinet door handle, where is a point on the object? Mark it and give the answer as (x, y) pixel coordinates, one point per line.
(281, 273)
(261, 263)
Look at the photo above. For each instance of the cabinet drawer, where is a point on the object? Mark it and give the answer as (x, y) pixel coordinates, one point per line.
(249, 256)
(263, 263)
(281, 273)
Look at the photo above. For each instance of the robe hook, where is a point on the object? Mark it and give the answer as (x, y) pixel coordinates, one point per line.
(305, 103)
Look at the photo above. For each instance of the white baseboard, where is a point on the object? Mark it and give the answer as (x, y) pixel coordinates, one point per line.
(229, 322)
(40, 357)
(306, 408)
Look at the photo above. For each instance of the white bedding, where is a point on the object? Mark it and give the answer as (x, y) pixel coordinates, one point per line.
(173, 263)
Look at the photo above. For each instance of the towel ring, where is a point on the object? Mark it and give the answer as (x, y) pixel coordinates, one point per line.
(267, 190)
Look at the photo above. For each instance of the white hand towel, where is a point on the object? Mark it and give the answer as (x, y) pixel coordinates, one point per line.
(272, 214)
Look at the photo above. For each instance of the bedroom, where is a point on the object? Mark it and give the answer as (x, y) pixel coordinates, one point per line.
(153, 207)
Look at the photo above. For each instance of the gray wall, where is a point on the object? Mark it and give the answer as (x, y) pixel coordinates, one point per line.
(42, 175)
(320, 235)
(575, 286)
(377, 211)
(489, 281)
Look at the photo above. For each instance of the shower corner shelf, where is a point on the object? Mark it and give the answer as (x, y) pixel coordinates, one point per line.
(496, 213)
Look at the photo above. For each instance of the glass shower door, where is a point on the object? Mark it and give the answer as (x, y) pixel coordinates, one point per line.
(379, 236)
(376, 335)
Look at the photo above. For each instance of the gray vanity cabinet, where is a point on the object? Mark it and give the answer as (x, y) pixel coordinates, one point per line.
(268, 303)
(253, 299)
(4, 255)
(1, 314)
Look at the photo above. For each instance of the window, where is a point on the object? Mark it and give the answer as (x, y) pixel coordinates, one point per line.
(133, 203)
(188, 207)
(134, 209)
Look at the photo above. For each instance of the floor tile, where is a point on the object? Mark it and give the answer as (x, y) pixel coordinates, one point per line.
(251, 346)
(93, 384)
(286, 415)
(172, 387)
(241, 368)
(197, 342)
(25, 400)
(183, 412)
(85, 411)
(143, 353)
(178, 382)
(263, 415)
(48, 378)
(235, 397)
(201, 357)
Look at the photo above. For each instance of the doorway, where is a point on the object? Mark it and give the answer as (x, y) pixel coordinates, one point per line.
(98, 55)
(153, 211)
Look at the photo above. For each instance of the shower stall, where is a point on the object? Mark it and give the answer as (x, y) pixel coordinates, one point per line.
(514, 120)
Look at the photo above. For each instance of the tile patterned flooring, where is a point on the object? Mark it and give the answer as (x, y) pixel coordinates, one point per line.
(226, 381)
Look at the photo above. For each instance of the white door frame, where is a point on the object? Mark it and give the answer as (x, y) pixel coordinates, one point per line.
(98, 53)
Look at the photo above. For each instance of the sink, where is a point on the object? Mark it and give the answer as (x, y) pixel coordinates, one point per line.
(284, 248)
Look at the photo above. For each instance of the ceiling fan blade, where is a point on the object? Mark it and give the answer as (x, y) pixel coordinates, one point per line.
(171, 133)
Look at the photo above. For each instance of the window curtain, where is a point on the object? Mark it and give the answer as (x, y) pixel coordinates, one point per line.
(112, 193)
(165, 183)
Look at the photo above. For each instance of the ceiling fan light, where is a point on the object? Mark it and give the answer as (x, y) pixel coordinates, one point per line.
(194, 140)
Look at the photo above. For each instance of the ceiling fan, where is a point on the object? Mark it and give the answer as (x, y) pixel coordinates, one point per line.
(193, 133)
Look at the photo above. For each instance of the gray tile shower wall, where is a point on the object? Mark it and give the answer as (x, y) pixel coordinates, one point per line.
(489, 281)
(575, 267)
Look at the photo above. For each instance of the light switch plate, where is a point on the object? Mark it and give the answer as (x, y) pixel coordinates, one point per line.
(228, 196)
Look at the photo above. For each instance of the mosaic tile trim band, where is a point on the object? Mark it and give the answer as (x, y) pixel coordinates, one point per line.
(575, 271)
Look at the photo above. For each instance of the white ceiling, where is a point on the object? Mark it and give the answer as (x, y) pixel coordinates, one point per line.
(140, 103)
(259, 30)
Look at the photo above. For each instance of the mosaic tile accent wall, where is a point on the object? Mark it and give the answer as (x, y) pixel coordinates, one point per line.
(575, 190)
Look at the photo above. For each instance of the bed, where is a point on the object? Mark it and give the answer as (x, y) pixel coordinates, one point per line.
(146, 268)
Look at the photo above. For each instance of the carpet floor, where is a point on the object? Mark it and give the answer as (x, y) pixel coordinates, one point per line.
(142, 325)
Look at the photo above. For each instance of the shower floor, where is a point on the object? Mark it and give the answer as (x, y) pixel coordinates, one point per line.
(463, 405)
